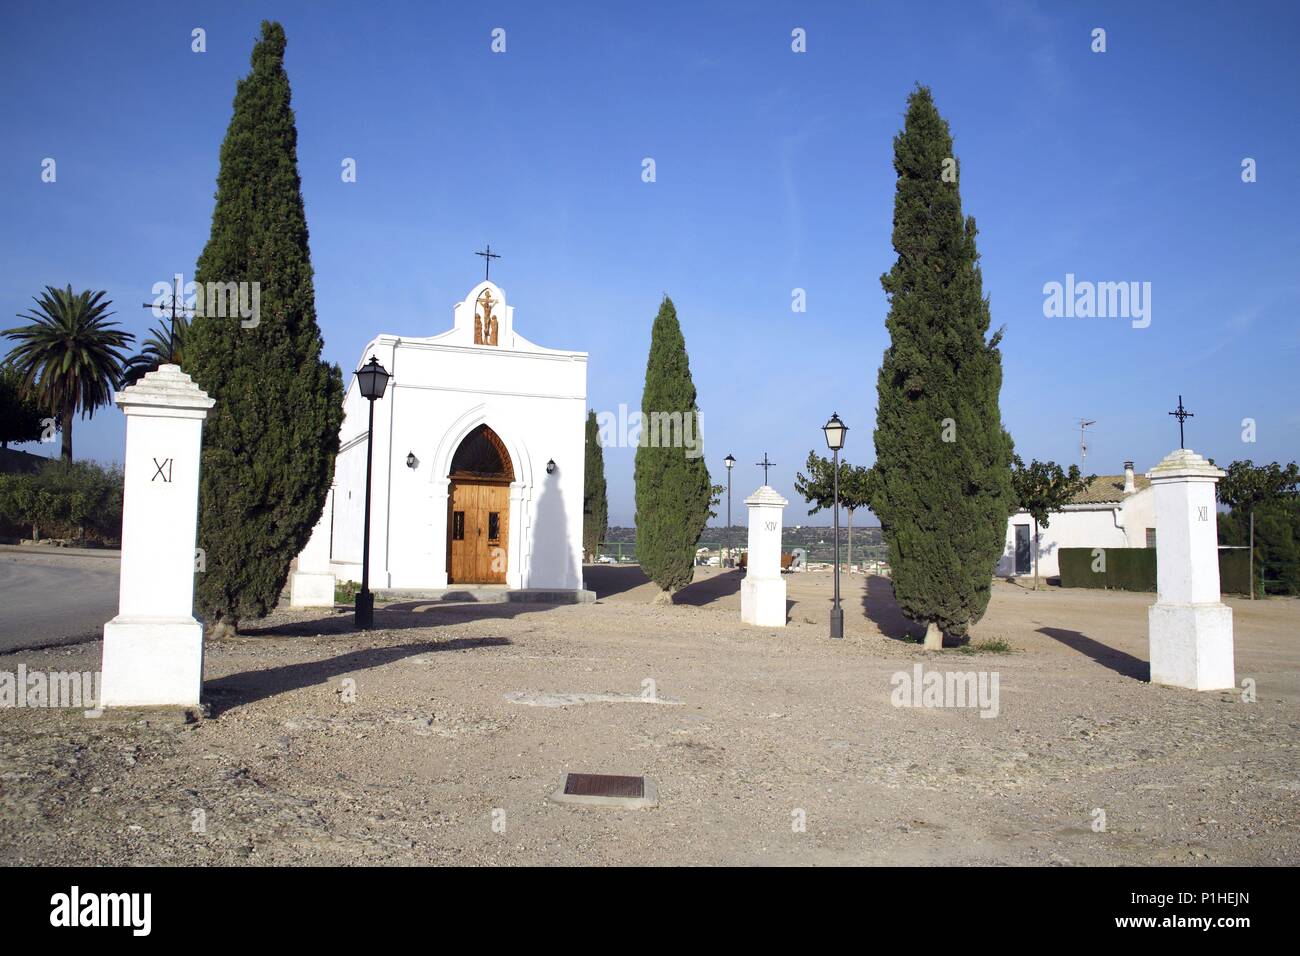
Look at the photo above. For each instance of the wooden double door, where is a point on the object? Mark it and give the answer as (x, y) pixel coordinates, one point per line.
(478, 532)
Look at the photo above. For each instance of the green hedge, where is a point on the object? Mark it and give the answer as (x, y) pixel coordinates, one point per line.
(80, 501)
(1076, 569)
(1131, 569)
(1126, 569)
(1134, 569)
(1234, 571)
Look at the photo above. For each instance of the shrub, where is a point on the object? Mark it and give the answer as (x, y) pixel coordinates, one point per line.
(80, 500)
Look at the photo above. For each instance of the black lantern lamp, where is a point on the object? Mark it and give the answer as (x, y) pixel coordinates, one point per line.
(835, 430)
(372, 380)
(730, 462)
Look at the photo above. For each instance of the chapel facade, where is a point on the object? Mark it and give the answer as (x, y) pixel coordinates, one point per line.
(478, 460)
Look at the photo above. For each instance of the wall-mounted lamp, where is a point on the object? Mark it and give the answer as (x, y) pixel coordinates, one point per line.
(411, 460)
(550, 467)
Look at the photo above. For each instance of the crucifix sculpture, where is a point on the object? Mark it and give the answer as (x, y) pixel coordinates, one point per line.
(765, 465)
(488, 255)
(1182, 415)
(485, 326)
(176, 309)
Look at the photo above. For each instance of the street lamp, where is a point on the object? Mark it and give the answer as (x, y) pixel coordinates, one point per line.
(730, 463)
(835, 431)
(372, 379)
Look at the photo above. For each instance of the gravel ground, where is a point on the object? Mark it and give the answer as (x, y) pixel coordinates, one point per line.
(452, 744)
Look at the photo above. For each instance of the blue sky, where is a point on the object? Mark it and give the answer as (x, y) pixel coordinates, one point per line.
(773, 173)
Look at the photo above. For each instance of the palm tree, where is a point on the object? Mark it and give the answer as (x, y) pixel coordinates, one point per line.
(68, 355)
(157, 350)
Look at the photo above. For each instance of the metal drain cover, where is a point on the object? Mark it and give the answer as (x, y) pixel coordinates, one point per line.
(607, 790)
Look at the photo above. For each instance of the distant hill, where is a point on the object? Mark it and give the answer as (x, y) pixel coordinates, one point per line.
(817, 540)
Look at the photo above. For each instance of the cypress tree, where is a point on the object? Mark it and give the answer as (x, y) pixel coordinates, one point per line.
(672, 482)
(269, 444)
(595, 507)
(943, 460)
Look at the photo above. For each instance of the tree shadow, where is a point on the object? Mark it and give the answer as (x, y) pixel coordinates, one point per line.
(882, 609)
(417, 613)
(1119, 661)
(401, 616)
(700, 593)
(610, 579)
(247, 687)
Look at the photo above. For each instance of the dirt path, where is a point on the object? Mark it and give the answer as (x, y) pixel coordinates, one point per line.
(773, 728)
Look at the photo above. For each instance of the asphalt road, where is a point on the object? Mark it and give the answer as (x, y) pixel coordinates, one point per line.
(54, 600)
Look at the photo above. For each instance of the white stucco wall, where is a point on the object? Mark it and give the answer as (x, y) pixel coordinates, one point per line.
(1122, 525)
(442, 388)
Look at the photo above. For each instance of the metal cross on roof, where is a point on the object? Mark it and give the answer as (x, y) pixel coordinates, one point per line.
(1182, 415)
(765, 465)
(488, 255)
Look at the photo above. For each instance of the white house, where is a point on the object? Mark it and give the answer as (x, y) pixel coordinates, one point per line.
(478, 461)
(1114, 511)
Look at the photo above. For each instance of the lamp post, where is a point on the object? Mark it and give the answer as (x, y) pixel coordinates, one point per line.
(730, 463)
(835, 431)
(372, 379)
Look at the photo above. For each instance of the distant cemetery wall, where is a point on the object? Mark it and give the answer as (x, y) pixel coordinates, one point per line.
(1134, 569)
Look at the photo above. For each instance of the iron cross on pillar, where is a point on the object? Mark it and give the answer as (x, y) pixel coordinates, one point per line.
(488, 255)
(765, 465)
(177, 308)
(1182, 415)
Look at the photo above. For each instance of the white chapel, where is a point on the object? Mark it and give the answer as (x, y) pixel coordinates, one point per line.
(478, 464)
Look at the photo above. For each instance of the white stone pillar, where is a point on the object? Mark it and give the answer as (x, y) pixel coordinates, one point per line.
(762, 593)
(153, 649)
(312, 584)
(1190, 628)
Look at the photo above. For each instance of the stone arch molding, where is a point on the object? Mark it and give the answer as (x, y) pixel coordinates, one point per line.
(459, 431)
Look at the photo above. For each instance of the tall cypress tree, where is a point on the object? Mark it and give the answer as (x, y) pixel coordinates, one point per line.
(672, 482)
(943, 460)
(269, 444)
(595, 507)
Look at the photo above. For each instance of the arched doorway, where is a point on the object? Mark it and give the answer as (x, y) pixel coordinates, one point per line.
(478, 504)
